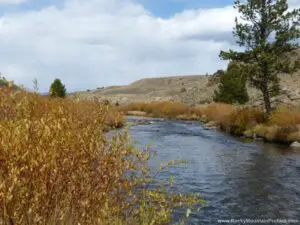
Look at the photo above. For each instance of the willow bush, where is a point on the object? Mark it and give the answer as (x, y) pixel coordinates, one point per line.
(163, 109)
(57, 166)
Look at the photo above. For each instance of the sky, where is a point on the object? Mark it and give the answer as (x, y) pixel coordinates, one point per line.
(95, 43)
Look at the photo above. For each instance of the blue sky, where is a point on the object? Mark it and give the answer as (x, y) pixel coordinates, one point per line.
(166, 8)
(161, 8)
(95, 43)
(28, 6)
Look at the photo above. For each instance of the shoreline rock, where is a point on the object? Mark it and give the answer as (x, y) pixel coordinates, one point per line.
(211, 125)
(295, 144)
(136, 113)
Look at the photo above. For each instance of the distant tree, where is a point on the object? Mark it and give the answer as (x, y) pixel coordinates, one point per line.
(35, 85)
(267, 31)
(57, 89)
(3, 81)
(232, 88)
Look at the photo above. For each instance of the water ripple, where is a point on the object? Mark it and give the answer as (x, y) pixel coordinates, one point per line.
(237, 179)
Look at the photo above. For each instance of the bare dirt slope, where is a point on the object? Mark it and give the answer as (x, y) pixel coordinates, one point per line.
(189, 89)
(177, 88)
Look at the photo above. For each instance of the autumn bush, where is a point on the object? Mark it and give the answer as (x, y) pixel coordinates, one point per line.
(283, 124)
(164, 109)
(242, 119)
(218, 112)
(285, 116)
(57, 166)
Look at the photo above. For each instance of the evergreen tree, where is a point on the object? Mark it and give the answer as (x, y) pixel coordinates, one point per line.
(57, 89)
(3, 81)
(267, 31)
(232, 87)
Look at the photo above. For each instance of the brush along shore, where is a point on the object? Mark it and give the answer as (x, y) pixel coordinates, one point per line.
(283, 124)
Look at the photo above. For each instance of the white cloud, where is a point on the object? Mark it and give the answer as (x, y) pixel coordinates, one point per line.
(11, 1)
(106, 42)
(294, 3)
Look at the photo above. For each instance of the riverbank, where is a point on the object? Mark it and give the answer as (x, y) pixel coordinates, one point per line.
(282, 126)
(229, 173)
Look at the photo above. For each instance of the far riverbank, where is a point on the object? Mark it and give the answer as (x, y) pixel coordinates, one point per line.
(282, 126)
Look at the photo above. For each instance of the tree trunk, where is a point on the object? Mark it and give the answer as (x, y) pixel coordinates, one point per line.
(267, 100)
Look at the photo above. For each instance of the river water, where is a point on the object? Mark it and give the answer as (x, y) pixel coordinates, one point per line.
(238, 179)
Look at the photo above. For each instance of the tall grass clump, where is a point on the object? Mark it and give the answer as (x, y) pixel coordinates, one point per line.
(218, 112)
(58, 167)
(285, 116)
(242, 119)
(282, 125)
(164, 109)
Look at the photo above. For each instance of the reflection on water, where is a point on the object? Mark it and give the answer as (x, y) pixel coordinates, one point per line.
(238, 179)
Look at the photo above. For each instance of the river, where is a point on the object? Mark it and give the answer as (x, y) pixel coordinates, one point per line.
(238, 179)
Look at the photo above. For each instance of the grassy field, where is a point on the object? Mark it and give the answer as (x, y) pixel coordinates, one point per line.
(58, 167)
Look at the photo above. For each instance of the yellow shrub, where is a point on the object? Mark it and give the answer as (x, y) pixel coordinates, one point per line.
(58, 167)
(281, 134)
(217, 112)
(285, 116)
(243, 119)
(164, 109)
(260, 130)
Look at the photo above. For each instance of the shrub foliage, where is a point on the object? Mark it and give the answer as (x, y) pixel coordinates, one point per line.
(164, 109)
(57, 166)
(58, 89)
(283, 124)
(232, 87)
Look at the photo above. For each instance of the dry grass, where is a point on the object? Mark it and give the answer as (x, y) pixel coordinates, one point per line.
(217, 112)
(164, 109)
(285, 116)
(281, 126)
(58, 167)
(233, 119)
(244, 119)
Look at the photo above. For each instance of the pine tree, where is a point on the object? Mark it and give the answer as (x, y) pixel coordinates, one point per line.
(3, 81)
(267, 31)
(232, 88)
(57, 89)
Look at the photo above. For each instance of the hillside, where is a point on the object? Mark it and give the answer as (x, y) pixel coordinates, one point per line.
(191, 90)
(177, 88)
(196, 90)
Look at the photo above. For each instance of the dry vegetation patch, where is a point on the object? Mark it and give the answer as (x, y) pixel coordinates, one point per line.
(58, 167)
(285, 116)
(282, 125)
(164, 109)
